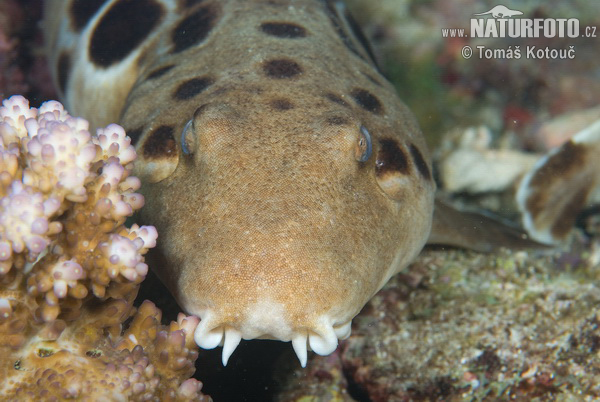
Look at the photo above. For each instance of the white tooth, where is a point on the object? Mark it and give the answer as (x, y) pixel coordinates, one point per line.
(299, 345)
(343, 331)
(208, 339)
(232, 340)
(323, 344)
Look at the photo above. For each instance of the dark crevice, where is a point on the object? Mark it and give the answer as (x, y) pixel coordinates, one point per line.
(355, 390)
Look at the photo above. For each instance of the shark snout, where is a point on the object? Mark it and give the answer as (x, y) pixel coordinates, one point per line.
(284, 292)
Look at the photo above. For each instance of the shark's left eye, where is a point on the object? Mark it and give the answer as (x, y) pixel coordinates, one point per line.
(364, 147)
(187, 138)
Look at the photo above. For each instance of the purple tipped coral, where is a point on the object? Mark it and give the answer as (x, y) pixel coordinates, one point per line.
(70, 269)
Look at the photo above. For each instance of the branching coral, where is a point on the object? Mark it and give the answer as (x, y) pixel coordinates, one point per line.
(70, 269)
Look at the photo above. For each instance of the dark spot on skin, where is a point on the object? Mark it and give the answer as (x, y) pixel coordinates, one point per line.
(536, 203)
(366, 100)
(337, 120)
(390, 158)
(282, 68)
(419, 162)
(569, 160)
(193, 87)
(82, 12)
(564, 164)
(283, 30)
(563, 225)
(122, 29)
(135, 134)
(159, 72)
(160, 143)
(358, 33)
(281, 104)
(63, 70)
(336, 99)
(194, 29)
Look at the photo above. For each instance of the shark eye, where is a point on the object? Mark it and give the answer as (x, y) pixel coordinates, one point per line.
(364, 147)
(187, 138)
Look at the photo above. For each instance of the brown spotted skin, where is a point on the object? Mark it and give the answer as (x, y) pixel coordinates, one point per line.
(270, 226)
(561, 185)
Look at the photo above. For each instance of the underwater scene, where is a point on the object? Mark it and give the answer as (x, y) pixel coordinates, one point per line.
(300, 200)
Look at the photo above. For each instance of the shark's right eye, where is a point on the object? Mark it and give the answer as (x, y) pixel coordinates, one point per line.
(187, 138)
(364, 147)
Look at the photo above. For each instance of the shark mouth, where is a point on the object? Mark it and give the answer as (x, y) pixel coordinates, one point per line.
(323, 339)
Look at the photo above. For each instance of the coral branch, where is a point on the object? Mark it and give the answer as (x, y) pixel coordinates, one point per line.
(70, 269)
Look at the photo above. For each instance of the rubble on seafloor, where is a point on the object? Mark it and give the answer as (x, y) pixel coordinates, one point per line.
(468, 162)
(466, 326)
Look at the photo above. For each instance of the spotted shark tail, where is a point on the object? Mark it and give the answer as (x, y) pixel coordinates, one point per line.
(560, 185)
